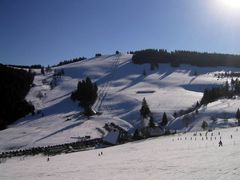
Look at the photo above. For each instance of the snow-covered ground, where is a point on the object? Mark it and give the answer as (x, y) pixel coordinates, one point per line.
(121, 84)
(181, 157)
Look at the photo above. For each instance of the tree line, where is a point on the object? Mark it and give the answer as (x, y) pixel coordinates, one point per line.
(35, 66)
(227, 74)
(226, 91)
(15, 84)
(70, 61)
(175, 58)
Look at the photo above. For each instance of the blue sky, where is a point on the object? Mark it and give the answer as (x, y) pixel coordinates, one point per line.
(47, 31)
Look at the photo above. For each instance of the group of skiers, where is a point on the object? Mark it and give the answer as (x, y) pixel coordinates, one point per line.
(220, 143)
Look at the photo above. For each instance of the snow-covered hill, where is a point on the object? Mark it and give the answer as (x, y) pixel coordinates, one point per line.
(122, 86)
(181, 157)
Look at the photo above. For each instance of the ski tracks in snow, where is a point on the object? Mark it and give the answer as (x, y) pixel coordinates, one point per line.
(100, 104)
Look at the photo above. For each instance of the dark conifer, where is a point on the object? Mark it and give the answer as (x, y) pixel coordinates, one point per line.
(86, 94)
(204, 125)
(232, 82)
(184, 57)
(196, 111)
(175, 114)
(145, 111)
(151, 122)
(226, 86)
(98, 54)
(197, 105)
(164, 120)
(237, 86)
(238, 116)
(42, 70)
(136, 135)
(14, 86)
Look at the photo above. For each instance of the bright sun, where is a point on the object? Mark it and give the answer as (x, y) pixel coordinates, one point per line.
(233, 4)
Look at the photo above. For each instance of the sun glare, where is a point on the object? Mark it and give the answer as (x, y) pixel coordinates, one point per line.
(232, 4)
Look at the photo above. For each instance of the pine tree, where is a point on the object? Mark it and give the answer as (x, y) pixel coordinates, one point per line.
(42, 70)
(164, 120)
(232, 82)
(238, 116)
(196, 111)
(86, 94)
(175, 114)
(197, 105)
(145, 111)
(136, 135)
(237, 86)
(204, 125)
(151, 122)
(226, 86)
(205, 98)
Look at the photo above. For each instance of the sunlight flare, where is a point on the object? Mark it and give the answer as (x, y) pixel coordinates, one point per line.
(231, 4)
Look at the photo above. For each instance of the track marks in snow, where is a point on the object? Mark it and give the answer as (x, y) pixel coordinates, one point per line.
(100, 105)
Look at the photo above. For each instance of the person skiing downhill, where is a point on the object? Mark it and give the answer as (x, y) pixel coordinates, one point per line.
(220, 143)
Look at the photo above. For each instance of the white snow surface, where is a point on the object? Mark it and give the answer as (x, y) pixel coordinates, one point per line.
(180, 156)
(119, 82)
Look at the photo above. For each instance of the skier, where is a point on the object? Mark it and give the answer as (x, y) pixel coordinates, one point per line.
(220, 143)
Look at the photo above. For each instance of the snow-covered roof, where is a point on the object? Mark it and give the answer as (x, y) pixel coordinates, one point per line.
(111, 137)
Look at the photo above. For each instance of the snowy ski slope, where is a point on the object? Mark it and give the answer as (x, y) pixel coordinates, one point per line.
(121, 90)
(181, 157)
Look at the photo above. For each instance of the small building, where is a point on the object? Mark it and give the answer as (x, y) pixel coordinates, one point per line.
(116, 134)
(111, 138)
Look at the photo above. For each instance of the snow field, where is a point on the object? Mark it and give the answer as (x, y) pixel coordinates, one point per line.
(118, 80)
(156, 158)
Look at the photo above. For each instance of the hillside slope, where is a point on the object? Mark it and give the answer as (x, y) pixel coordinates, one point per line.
(122, 86)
